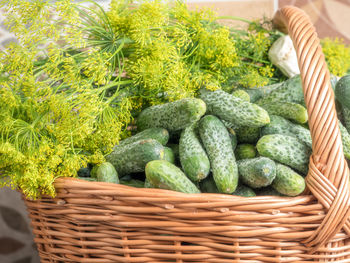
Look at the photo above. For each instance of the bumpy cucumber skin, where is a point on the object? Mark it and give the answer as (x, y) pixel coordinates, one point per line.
(169, 155)
(288, 182)
(346, 115)
(285, 149)
(133, 183)
(345, 136)
(133, 157)
(165, 175)
(248, 134)
(193, 157)
(244, 191)
(208, 185)
(289, 91)
(233, 109)
(159, 134)
(342, 91)
(172, 116)
(268, 191)
(233, 137)
(288, 110)
(218, 146)
(280, 125)
(243, 95)
(107, 173)
(245, 151)
(257, 172)
(257, 93)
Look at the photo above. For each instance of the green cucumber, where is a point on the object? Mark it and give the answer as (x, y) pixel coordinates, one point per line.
(268, 191)
(257, 172)
(218, 145)
(193, 157)
(234, 110)
(248, 134)
(147, 184)
(346, 116)
(345, 136)
(89, 179)
(288, 110)
(342, 91)
(165, 175)
(133, 157)
(285, 149)
(172, 116)
(93, 171)
(243, 95)
(175, 148)
(159, 134)
(169, 155)
(244, 191)
(84, 172)
(233, 137)
(259, 92)
(133, 183)
(245, 151)
(208, 185)
(288, 182)
(107, 173)
(280, 125)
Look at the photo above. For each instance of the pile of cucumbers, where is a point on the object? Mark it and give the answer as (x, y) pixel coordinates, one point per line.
(248, 142)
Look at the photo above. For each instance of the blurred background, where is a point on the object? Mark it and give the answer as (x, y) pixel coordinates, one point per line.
(330, 17)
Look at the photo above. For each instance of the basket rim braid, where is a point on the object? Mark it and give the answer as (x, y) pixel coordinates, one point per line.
(102, 222)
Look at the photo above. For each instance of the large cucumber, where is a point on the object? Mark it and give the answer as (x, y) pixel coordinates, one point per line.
(172, 116)
(285, 149)
(133, 157)
(193, 158)
(107, 173)
(234, 110)
(245, 151)
(288, 182)
(280, 125)
(218, 145)
(248, 134)
(342, 91)
(165, 175)
(159, 134)
(288, 110)
(257, 172)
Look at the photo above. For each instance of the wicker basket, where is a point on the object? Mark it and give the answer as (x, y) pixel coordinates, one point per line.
(102, 222)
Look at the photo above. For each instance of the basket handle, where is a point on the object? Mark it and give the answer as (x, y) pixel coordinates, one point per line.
(328, 177)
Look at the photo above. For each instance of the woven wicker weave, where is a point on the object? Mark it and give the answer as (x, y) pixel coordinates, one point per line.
(102, 222)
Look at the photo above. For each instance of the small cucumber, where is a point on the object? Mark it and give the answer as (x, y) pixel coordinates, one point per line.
(243, 95)
(172, 116)
(268, 191)
(169, 155)
(234, 110)
(257, 172)
(285, 149)
(133, 183)
(342, 91)
(193, 157)
(147, 184)
(159, 134)
(208, 185)
(233, 137)
(218, 145)
(244, 191)
(345, 136)
(133, 157)
(107, 173)
(165, 175)
(288, 182)
(346, 115)
(248, 134)
(245, 151)
(288, 110)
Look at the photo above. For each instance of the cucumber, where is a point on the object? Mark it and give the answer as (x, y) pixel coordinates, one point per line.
(285, 149)
(208, 185)
(107, 173)
(228, 125)
(175, 148)
(280, 125)
(288, 110)
(289, 91)
(147, 184)
(193, 157)
(345, 136)
(133, 157)
(172, 116)
(257, 172)
(169, 155)
(244, 191)
(233, 137)
(165, 175)
(245, 151)
(234, 110)
(288, 182)
(133, 183)
(89, 179)
(342, 91)
(346, 116)
(268, 191)
(218, 145)
(243, 95)
(159, 134)
(248, 134)
(84, 172)
(93, 171)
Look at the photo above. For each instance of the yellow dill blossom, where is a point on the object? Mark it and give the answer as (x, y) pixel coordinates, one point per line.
(337, 55)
